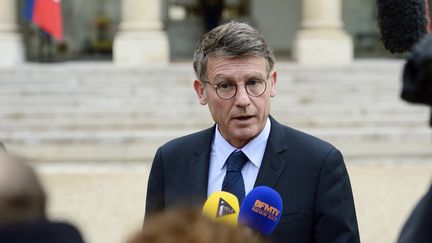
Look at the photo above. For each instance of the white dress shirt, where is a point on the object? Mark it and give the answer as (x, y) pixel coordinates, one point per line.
(220, 152)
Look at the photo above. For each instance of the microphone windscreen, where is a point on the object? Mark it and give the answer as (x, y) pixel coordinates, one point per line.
(417, 74)
(223, 207)
(402, 23)
(261, 210)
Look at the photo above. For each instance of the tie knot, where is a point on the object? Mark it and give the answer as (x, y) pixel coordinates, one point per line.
(236, 161)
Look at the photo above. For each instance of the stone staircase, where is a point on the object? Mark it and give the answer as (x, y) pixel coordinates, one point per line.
(90, 112)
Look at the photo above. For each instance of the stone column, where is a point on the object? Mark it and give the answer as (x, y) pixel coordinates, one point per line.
(141, 39)
(11, 46)
(321, 39)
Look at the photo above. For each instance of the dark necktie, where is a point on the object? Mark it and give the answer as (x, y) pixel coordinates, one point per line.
(233, 181)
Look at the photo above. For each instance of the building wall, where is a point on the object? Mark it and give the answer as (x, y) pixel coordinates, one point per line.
(81, 20)
(359, 17)
(278, 20)
(80, 28)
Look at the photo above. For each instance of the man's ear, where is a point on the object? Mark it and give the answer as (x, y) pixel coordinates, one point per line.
(199, 89)
(273, 80)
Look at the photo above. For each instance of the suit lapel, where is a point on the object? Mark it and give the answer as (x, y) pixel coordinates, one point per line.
(271, 168)
(199, 166)
(273, 164)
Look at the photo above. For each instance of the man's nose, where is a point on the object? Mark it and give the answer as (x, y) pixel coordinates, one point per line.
(242, 97)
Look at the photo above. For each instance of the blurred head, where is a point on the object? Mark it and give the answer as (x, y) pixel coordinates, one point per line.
(187, 226)
(22, 197)
(235, 74)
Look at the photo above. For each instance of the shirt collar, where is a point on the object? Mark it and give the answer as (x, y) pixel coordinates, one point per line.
(254, 150)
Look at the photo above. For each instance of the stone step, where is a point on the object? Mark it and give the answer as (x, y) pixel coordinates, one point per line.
(184, 92)
(145, 87)
(99, 112)
(112, 122)
(181, 80)
(164, 118)
(64, 116)
(115, 77)
(108, 70)
(102, 124)
(183, 76)
(144, 152)
(304, 102)
(157, 136)
(192, 106)
(65, 96)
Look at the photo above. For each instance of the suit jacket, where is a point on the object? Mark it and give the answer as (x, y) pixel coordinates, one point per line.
(418, 226)
(309, 174)
(40, 232)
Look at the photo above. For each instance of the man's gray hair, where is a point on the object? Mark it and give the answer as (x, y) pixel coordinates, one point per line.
(232, 39)
(22, 197)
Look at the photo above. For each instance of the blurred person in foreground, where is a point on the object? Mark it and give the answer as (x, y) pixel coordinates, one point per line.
(417, 228)
(417, 89)
(246, 147)
(190, 226)
(23, 217)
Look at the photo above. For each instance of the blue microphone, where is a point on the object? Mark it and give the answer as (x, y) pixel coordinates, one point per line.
(261, 210)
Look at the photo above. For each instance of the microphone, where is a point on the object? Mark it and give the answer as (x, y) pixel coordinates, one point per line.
(261, 210)
(402, 23)
(417, 74)
(223, 207)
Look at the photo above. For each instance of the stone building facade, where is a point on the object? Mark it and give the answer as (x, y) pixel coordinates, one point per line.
(136, 32)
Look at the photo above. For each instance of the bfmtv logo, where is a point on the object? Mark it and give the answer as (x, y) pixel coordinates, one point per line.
(266, 210)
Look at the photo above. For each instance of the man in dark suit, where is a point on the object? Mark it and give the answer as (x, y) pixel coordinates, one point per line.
(418, 226)
(236, 78)
(417, 89)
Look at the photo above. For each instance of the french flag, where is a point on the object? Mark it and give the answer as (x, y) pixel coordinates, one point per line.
(47, 15)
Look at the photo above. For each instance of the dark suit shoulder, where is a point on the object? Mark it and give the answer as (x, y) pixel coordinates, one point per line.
(308, 139)
(298, 140)
(314, 180)
(174, 163)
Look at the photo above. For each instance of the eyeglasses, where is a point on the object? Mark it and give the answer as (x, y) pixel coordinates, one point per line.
(227, 90)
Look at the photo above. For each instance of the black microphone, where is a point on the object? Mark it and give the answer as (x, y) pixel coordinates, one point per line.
(402, 23)
(417, 75)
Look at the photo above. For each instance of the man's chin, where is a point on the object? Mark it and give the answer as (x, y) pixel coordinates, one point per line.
(245, 134)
